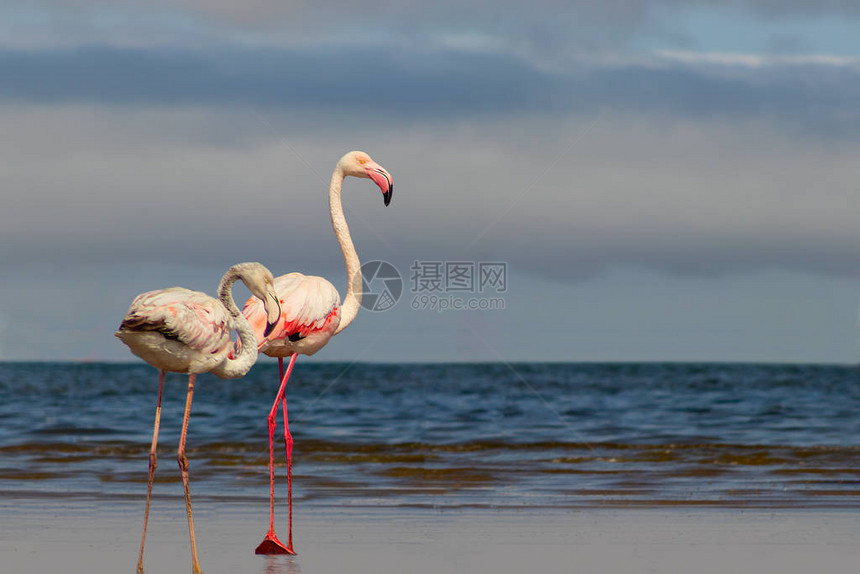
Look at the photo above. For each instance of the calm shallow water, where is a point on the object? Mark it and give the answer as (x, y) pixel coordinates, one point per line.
(450, 436)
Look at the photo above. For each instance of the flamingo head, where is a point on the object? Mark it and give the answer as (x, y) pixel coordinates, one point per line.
(359, 164)
(261, 284)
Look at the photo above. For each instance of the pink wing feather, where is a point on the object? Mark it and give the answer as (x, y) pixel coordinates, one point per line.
(307, 305)
(191, 317)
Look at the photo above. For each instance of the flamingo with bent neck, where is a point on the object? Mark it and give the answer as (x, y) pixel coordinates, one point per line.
(310, 315)
(183, 331)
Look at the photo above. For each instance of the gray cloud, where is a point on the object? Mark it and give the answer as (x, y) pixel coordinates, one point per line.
(363, 79)
(562, 197)
(545, 29)
(100, 202)
(496, 16)
(625, 11)
(811, 96)
(650, 207)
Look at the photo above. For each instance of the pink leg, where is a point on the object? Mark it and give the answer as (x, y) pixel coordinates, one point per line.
(288, 443)
(280, 368)
(153, 463)
(270, 543)
(183, 469)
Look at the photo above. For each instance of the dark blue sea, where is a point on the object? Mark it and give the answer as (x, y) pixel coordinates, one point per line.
(446, 435)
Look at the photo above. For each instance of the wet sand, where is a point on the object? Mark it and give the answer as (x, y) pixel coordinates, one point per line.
(95, 536)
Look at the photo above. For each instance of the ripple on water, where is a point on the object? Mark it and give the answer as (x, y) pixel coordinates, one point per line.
(450, 435)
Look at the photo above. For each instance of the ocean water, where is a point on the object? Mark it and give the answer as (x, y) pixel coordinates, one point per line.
(446, 435)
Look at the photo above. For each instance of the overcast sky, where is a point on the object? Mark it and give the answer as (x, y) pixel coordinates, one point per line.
(664, 180)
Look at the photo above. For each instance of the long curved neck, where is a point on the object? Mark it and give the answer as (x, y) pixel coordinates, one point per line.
(242, 363)
(352, 300)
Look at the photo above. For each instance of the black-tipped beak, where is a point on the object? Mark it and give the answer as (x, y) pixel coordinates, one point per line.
(386, 196)
(269, 328)
(381, 178)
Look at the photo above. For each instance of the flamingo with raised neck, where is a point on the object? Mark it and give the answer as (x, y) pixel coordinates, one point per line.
(311, 314)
